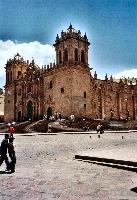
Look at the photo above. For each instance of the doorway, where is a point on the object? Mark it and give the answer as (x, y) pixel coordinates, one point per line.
(29, 110)
(49, 112)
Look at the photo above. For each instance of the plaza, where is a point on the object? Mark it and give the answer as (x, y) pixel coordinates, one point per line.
(47, 169)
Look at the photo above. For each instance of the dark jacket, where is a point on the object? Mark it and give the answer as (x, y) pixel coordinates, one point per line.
(4, 146)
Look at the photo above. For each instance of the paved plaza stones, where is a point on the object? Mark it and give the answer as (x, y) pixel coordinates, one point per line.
(46, 168)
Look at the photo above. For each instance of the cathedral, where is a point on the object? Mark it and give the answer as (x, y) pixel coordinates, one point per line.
(66, 86)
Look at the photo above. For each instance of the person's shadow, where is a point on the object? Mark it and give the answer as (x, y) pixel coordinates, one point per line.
(134, 189)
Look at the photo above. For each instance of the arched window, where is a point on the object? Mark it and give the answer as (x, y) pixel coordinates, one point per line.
(8, 77)
(60, 57)
(65, 55)
(11, 76)
(76, 54)
(50, 84)
(82, 56)
(29, 87)
(85, 94)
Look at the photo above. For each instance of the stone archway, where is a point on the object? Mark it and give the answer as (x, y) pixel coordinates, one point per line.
(49, 112)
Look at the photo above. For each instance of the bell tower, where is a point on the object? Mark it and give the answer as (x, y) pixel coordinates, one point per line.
(15, 69)
(71, 48)
(71, 82)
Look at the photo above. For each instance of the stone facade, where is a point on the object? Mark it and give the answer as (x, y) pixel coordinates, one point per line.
(67, 87)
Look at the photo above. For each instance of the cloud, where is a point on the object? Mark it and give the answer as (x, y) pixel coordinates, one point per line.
(42, 54)
(127, 74)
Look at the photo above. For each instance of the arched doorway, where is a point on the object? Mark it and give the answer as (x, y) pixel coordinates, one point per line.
(49, 112)
(29, 110)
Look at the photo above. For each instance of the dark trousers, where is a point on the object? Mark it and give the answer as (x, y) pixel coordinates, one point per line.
(4, 157)
(11, 165)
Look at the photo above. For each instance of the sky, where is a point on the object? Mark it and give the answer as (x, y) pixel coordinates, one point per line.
(29, 27)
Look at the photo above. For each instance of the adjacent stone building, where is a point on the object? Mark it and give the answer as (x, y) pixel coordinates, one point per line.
(1, 108)
(66, 86)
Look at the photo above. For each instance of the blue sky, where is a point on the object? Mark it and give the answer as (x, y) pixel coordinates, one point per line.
(30, 28)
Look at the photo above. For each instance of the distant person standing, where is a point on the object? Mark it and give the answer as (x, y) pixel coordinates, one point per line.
(9, 126)
(98, 127)
(60, 116)
(101, 129)
(11, 130)
(49, 128)
(4, 147)
(12, 155)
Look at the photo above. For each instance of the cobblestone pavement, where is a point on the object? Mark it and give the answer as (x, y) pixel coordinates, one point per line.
(46, 168)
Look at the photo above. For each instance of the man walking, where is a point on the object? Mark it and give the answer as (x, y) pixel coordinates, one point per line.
(4, 147)
(12, 156)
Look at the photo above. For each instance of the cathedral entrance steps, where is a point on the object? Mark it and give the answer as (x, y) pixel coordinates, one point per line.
(111, 158)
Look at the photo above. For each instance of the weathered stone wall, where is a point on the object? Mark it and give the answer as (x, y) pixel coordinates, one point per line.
(67, 93)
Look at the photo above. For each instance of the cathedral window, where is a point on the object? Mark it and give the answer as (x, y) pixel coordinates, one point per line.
(76, 54)
(62, 90)
(29, 87)
(50, 85)
(19, 73)
(65, 55)
(60, 57)
(8, 77)
(11, 76)
(82, 56)
(85, 94)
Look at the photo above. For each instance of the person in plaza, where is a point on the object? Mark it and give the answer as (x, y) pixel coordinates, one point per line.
(101, 129)
(49, 128)
(4, 147)
(98, 127)
(9, 126)
(72, 118)
(85, 128)
(11, 130)
(60, 116)
(12, 155)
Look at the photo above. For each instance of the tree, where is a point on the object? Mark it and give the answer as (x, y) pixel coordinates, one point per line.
(1, 91)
